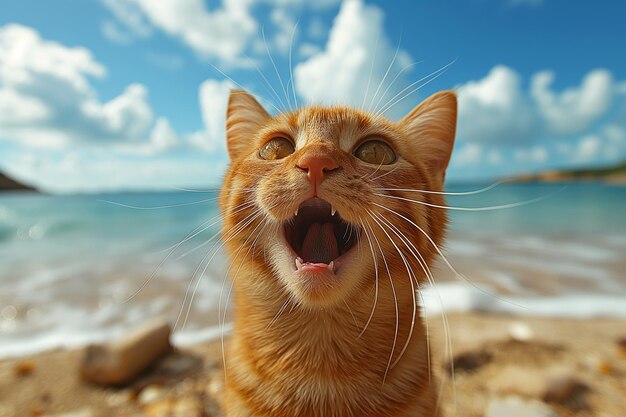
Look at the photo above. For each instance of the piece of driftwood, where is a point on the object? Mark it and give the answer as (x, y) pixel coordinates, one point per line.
(119, 362)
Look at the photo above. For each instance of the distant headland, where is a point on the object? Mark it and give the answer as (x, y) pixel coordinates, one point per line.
(9, 184)
(615, 174)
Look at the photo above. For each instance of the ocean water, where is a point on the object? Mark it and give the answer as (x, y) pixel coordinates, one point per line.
(79, 269)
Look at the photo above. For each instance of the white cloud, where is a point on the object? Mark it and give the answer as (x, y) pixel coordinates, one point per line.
(47, 102)
(24, 56)
(113, 32)
(286, 29)
(45, 90)
(307, 49)
(63, 138)
(607, 145)
(534, 154)
(95, 171)
(223, 33)
(579, 124)
(17, 108)
(589, 147)
(495, 109)
(575, 109)
(469, 154)
(126, 116)
(357, 46)
(213, 97)
(226, 31)
(130, 16)
(317, 28)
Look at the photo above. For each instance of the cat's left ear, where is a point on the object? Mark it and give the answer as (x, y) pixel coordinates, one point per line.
(244, 117)
(432, 125)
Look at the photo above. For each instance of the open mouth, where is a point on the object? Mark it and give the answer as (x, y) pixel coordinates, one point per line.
(318, 235)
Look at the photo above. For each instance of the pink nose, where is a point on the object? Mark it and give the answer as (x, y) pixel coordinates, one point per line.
(316, 166)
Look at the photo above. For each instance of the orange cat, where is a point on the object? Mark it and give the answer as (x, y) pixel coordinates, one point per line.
(327, 257)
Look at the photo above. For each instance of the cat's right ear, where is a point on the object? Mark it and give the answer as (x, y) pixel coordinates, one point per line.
(244, 117)
(432, 125)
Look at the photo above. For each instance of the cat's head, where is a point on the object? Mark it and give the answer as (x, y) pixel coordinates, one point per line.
(324, 200)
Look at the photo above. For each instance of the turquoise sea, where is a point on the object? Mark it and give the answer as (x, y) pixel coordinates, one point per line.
(81, 268)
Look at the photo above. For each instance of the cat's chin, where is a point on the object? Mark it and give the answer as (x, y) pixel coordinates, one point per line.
(317, 254)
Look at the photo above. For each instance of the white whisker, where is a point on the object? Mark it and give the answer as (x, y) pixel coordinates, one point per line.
(488, 208)
(429, 78)
(473, 192)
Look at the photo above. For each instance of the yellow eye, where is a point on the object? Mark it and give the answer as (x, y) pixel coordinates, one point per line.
(277, 148)
(375, 152)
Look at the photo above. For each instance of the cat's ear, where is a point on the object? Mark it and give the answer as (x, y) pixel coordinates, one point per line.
(244, 117)
(432, 125)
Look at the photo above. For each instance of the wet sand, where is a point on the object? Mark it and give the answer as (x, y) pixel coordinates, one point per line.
(573, 368)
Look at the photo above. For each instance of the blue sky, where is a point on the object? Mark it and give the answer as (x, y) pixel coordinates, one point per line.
(105, 95)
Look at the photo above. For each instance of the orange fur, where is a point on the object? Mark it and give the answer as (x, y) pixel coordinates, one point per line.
(298, 347)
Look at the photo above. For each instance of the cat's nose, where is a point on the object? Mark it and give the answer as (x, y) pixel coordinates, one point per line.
(316, 166)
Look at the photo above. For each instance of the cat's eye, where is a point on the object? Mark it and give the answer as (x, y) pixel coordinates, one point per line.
(375, 152)
(277, 148)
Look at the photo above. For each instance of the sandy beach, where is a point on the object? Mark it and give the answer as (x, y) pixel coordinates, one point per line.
(572, 368)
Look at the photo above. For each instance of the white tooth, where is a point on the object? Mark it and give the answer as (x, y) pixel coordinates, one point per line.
(331, 265)
(332, 211)
(298, 263)
(296, 212)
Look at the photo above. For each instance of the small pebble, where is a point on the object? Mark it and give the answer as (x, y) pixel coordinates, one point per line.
(150, 394)
(24, 368)
(468, 361)
(521, 331)
(605, 367)
(36, 411)
(566, 390)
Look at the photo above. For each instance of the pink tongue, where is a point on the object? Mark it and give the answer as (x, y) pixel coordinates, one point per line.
(320, 244)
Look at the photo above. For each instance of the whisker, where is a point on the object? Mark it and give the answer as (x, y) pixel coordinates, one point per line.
(385, 174)
(445, 259)
(488, 208)
(399, 97)
(369, 79)
(190, 203)
(382, 82)
(293, 80)
(278, 314)
(243, 88)
(402, 71)
(272, 90)
(395, 299)
(191, 190)
(473, 192)
(200, 229)
(424, 265)
(235, 277)
(189, 236)
(375, 259)
(411, 276)
(369, 175)
(280, 79)
(238, 228)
